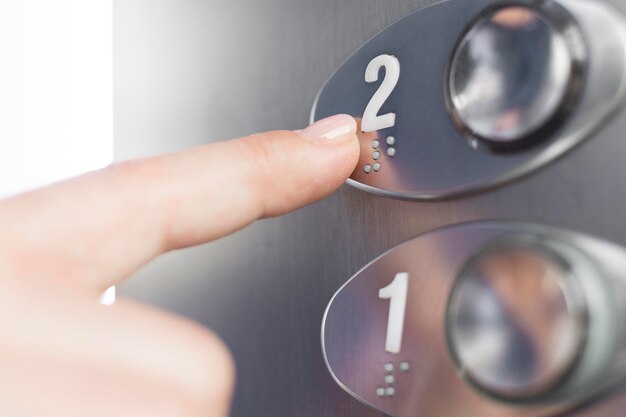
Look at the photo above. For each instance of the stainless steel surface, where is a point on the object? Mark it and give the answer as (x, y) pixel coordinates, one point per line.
(517, 317)
(189, 72)
(515, 77)
(424, 131)
(355, 323)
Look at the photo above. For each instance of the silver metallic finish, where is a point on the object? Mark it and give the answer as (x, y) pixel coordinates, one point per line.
(430, 138)
(354, 327)
(517, 317)
(264, 289)
(516, 75)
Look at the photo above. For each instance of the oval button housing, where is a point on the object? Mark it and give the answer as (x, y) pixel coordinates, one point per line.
(512, 319)
(414, 138)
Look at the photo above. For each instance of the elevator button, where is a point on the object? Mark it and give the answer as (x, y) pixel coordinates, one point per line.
(516, 75)
(517, 319)
(523, 81)
(511, 319)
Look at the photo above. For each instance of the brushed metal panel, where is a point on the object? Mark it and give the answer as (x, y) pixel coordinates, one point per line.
(264, 289)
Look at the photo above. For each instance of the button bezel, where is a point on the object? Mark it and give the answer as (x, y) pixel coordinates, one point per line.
(573, 263)
(566, 27)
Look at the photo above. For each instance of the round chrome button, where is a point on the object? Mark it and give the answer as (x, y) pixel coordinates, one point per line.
(515, 75)
(516, 319)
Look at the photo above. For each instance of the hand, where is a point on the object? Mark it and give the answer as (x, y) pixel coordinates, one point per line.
(62, 354)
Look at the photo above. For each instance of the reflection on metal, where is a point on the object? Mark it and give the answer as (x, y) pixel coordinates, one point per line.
(532, 312)
(516, 75)
(517, 317)
(577, 80)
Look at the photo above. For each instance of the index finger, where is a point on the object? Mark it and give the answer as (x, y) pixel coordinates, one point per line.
(96, 229)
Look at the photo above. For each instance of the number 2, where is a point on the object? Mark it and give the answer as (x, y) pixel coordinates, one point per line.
(396, 292)
(371, 120)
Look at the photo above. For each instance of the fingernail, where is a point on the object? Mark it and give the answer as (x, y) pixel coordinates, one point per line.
(330, 129)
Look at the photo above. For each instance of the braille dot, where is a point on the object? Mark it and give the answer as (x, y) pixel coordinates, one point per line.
(389, 367)
(376, 155)
(380, 392)
(389, 379)
(391, 151)
(405, 366)
(375, 144)
(390, 391)
(377, 167)
(391, 141)
(368, 168)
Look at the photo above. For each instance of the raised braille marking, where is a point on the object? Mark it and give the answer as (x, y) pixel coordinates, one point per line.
(391, 141)
(367, 168)
(380, 392)
(389, 379)
(390, 391)
(376, 155)
(389, 367)
(376, 144)
(405, 366)
(377, 167)
(391, 151)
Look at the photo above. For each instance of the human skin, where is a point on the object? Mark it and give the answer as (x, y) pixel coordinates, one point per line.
(62, 354)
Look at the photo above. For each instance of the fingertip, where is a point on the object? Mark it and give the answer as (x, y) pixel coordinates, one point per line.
(339, 134)
(314, 169)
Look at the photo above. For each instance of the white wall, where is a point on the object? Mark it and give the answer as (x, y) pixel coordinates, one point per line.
(56, 90)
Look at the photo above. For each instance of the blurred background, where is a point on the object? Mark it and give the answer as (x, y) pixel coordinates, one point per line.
(56, 90)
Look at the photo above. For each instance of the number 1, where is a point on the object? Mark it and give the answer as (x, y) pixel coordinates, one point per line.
(396, 292)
